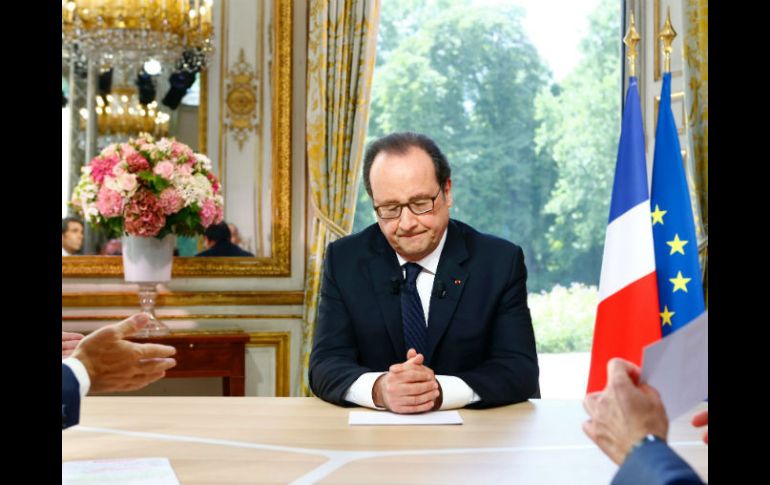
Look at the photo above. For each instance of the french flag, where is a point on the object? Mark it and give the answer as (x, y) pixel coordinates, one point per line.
(627, 318)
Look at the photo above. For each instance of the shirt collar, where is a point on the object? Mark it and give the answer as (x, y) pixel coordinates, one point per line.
(430, 262)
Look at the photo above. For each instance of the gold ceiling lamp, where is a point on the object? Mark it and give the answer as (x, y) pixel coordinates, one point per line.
(126, 33)
(120, 113)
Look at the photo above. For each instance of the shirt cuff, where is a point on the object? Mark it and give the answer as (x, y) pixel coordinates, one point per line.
(456, 393)
(81, 374)
(360, 392)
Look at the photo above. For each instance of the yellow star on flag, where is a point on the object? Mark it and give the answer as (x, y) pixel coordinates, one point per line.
(677, 245)
(666, 316)
(657, 216)
(680, 282)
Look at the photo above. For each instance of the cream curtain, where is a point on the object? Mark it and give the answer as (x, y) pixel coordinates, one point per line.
(696, 56)
(342, 38)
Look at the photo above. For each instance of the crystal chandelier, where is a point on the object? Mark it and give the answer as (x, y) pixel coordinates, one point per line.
(120, 115)
(126, 33)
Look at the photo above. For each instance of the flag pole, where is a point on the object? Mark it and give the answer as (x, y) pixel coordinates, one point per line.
(666, 37)
(627, 316)
(631, 39)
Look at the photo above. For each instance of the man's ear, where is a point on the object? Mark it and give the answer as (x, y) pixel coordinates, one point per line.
(448, 192)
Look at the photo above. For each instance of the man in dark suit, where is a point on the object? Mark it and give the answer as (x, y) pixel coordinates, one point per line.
(217, 239)
(629, 423)
(421, 312)
(104, 362)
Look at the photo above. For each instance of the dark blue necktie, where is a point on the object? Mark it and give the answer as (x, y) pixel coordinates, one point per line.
(415, 331)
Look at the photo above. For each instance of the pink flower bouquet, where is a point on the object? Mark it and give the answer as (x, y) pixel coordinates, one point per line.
(147, 188)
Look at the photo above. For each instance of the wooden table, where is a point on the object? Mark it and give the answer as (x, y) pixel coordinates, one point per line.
(208, 354)
(215, 440)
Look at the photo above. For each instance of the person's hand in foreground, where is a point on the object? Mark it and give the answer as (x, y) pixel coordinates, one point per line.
(69, 340)
(624, 412)
(702, 419)
(115, 364)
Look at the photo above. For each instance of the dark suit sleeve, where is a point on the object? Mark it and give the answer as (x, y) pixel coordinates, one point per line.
(70, 398)
(655, 463)
(510, 372)
(333, 360)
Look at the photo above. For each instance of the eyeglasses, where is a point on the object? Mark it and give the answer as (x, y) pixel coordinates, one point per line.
(419, 206)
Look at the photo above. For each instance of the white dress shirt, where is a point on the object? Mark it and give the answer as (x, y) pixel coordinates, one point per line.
(456, 393)
(81, 374)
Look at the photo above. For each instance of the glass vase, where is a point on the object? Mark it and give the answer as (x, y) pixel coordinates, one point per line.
(147, 261)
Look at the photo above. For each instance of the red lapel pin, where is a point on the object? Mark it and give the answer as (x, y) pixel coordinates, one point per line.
(457, 282)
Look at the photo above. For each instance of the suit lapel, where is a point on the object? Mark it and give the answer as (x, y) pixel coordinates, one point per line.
(452, 277)
(383, 270)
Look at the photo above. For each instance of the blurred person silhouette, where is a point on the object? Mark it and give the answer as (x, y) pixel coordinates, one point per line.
(71, 236)
(235, 235)
(113, 247)
(217, 239)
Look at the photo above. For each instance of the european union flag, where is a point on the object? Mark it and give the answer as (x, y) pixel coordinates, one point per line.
(680, 289)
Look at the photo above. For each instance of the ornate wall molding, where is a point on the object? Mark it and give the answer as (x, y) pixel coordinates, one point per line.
(241, 100)
(203, 112)
(282, 343)
(185, 298)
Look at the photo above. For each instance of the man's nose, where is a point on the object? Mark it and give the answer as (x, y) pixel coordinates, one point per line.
(407, 220)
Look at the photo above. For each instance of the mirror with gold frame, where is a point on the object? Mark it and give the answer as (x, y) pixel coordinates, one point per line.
(278, 214)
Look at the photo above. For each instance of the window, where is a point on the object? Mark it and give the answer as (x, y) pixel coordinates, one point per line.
(526, 106)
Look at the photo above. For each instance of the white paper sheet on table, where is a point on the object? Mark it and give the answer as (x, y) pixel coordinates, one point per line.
(125, 471)
(388, 418)
(678, 367)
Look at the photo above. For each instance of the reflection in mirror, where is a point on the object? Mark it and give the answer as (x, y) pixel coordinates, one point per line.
(128, 103)
(241, 120)
(221, 241)
(117, 61)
